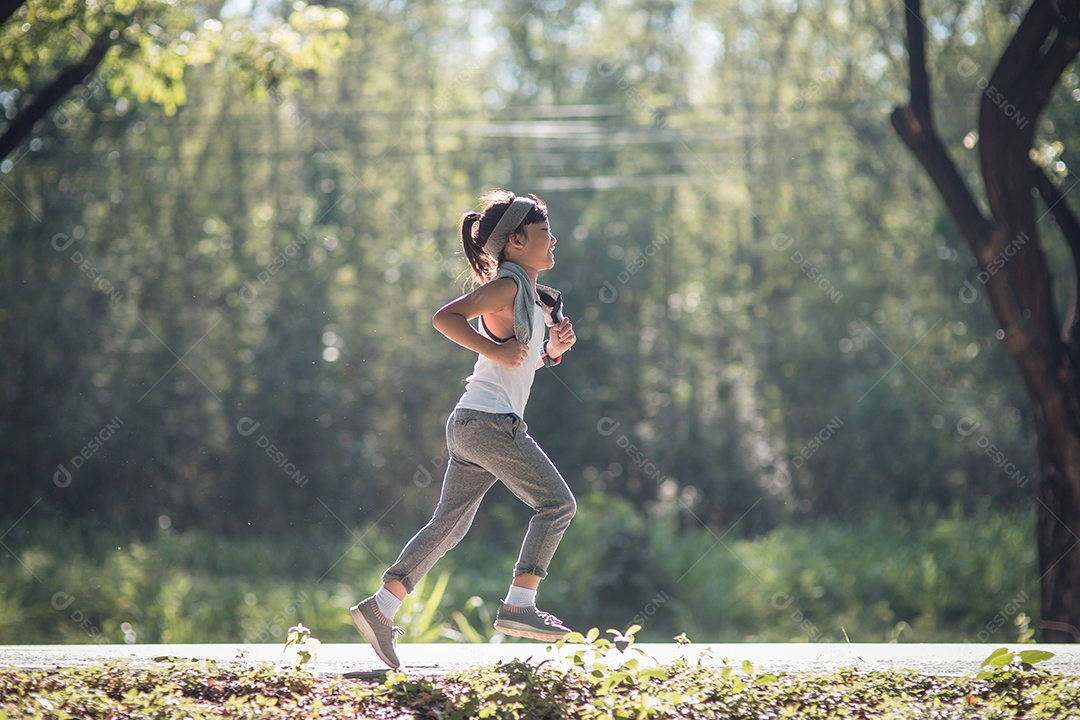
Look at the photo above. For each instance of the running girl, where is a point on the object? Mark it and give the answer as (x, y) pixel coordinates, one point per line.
(507, 244)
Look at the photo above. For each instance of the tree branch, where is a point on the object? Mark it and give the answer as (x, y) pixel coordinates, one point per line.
(1024, 49)
(73, 75)
(1069, 226)
(932, 155)
(915, 124)
(1034, 95)
(1019, 87)
(915, 127)
(916, 41)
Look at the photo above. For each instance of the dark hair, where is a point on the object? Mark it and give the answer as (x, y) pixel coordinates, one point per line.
(476, 228)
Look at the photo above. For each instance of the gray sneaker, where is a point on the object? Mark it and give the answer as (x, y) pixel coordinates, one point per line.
(377, 630)
(529, 623)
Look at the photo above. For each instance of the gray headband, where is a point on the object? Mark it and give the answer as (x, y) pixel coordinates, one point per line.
(507, 224)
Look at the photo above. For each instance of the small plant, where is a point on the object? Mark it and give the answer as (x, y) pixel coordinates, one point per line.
(307, 646)
(1014, 680)
(598, 648)
(1004, 664)
(517, 690)
(622, 684)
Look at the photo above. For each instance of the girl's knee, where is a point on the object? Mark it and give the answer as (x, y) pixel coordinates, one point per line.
(569, 507)
(558, 505)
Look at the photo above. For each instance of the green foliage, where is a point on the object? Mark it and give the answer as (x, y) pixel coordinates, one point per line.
(317, 173)
(156, 42)
(420, 611)
(1004, 662)
(166, 689)
(552, 688)
(805, 583)
(233, 239)
(794, 584)
(1010, 676)
(307, 646)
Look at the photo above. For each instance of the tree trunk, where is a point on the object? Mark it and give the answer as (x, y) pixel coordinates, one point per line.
(1057, 527)
(1013, 268)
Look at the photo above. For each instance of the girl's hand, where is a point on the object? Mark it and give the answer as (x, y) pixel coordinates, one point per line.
(561, 338)
(510, 353)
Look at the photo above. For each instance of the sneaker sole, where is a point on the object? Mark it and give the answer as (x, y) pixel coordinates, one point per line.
(369, 632)
(524, 631)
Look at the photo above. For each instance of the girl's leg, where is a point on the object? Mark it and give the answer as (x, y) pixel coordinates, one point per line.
(396, 588)
(530, 475)
(524, 468)
(527, 580)
(464, 486)
(482, 447)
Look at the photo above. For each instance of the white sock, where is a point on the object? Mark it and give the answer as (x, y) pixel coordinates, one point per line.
(521, 597)
(388, 603)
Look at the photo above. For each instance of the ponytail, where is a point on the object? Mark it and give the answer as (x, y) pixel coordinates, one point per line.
(477, 227)
(482, 266)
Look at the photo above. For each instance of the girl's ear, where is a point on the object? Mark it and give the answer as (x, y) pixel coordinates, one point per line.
(516, 239)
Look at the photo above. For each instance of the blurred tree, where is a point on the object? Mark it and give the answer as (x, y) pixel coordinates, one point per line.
(1014, 270)
(143, 47)
(291, 247)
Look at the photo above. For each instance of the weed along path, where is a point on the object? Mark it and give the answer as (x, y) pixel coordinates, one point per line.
(434, 660)
(590, 678)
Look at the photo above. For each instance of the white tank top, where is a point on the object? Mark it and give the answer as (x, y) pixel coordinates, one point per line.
(495, 388)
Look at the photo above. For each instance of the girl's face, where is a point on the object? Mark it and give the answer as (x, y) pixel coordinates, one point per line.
(535, 248)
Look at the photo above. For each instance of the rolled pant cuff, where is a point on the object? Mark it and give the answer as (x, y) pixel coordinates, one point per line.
(531, 570)
(401, 579)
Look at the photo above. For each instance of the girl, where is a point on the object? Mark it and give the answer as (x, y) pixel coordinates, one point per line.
(507, 245)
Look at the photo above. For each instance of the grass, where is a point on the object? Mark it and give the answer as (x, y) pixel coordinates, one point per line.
(935, 578)
(595, 681)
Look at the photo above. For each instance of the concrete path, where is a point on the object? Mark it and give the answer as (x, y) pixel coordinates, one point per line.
(438, 659)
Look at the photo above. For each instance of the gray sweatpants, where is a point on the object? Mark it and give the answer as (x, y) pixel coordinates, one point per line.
(485, 447)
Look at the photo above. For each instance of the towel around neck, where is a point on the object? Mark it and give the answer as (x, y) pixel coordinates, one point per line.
(524, 301)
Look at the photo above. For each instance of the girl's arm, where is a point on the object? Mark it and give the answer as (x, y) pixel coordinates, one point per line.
(452, 320)
(561, 338)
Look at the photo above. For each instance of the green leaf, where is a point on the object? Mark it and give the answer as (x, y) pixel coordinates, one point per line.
(471, 634)
(999, 658)
(431, 605)
(1035, 656)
